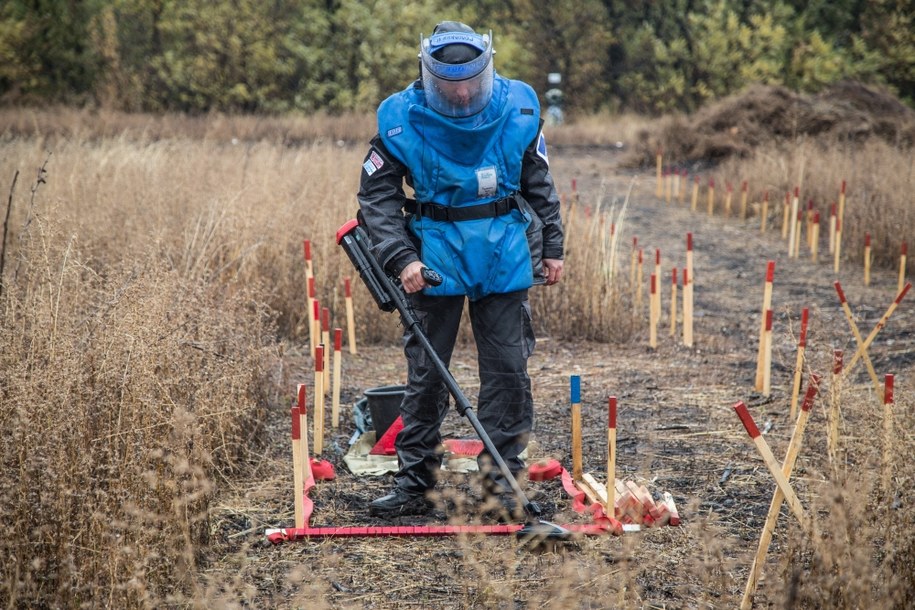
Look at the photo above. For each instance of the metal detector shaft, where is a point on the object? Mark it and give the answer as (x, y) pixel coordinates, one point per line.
(356, 244)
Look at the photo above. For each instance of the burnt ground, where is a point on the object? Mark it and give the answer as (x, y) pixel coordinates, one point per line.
(677, 433)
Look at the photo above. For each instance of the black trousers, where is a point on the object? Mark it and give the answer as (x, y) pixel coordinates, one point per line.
(504, 337)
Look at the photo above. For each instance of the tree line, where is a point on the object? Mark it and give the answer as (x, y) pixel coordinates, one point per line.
(305, 56)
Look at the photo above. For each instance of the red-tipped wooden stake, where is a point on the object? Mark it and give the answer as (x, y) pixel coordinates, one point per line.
(786, 216)
(316, 324)
(298, 479)
(857, 334)
(689, 258)
(887, 434)
(832, 423)
(711, 196)
(678, 186)
(318, 432)
(659, 159)
(653, 313)
(350, 315)
(792, 229)
(657, 273)
(764, 213)
(673, 302)
(797, 235)
(325, 339)
(687, 309)
(765, 538)
(763, 447)
(610, 506)
(832, 228)
(799, 365)
(338, 367)
(575, 398)
(862, 350)
(309, 314)
(309, 264)
(744, 193)
(838, 253)
(638, 283)
(867, 259)
(729, 193)
(694, 202)
(767, 357)
(902, 256)
(815, 236)
(669, 186)
(632, 261)
(767, 304)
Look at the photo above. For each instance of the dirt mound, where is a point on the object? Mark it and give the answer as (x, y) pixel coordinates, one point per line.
(735, 125)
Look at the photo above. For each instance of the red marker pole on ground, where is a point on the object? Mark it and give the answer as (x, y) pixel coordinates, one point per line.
(687, 309)
(862, 350)
(786, 216)
(787, 468)
(767, 305)
(815, 236)
(316, 325)
(797, 235)
(325, 339)
(350, 315)
(657, 273)
(764, 213)
(318, 432)
(867, 259)
(638, 284)
(767, 356)
(902, 256)
(694, 202)
(793, 228)
(309, 264)
(838, 252)
(673, 303)
(832, 418)
(300, 463)
(799, 365)
(309, 314)
(338, 368)
(832, 228)
(610, 508)
(887, 435)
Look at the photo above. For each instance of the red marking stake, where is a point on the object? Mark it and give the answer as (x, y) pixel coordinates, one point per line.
(767, 304)
(350, 315)
(799, 365)
(338, 367)
(610, 507)
(318, 431)
(764, 213)
(902, 256)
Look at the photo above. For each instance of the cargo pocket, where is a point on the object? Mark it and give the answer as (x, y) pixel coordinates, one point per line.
(528, 341)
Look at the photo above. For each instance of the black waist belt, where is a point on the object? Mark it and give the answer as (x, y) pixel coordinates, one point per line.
(500, 207)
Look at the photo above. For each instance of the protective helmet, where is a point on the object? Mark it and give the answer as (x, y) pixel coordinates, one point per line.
(457, 69)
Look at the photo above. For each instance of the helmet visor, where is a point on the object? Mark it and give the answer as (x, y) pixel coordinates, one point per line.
(457, 90)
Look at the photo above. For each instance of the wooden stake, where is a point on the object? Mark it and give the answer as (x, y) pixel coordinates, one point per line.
(695, 198)
(638, 284)
(765, 538)
(780, 479)
(711, 196)
(338, 367)
(687, 309)
(659, 159)
(867, 259)
(838, 252)
(350, 315)
(786, 216)
(887, 470)
(862, 349)
(815, 236)
(767, 304)
(764, 213)
(325, 339)
(799, 365)
(298, 478)
(653, 313)
(832, 419)
(689, 259)
(575, 391)
(854, 330)
(657, 295)
(902, 257)
(832, 228)
(309, 264)
(744, 193)
(727, 199)
(312, 339)
(610, 506)
(767, 357)
(318, 432)
(673, 303)
(316, 325)
(792, 229)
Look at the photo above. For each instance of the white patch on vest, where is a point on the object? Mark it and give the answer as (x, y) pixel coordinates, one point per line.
(487, 182)
(394, 131)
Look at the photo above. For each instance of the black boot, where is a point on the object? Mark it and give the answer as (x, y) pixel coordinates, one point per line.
(398, 503)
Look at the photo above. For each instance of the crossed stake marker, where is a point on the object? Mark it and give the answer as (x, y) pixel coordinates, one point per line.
(783, 490)
(864, 344)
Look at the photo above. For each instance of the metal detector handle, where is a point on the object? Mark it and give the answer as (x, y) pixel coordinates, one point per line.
(432, 277)
(354, 242)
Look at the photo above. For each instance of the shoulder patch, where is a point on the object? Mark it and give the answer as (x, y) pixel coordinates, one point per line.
(527, 111)
(373, 163)
(394, 131)
(541, 147)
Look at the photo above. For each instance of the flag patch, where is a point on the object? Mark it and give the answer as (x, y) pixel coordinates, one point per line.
(373, 163)
(541, 148)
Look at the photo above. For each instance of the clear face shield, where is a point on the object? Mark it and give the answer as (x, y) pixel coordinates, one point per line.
(462, 89)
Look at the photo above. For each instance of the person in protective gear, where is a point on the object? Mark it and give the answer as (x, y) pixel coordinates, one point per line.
(485, 215)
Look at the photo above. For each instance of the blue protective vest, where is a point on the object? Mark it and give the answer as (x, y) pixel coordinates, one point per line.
(467, 162)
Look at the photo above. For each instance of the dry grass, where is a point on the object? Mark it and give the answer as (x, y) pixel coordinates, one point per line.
(153, 292)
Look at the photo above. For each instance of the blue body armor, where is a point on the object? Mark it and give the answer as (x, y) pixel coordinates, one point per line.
(467, 162)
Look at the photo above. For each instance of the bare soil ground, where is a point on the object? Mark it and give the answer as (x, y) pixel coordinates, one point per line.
(677, 432)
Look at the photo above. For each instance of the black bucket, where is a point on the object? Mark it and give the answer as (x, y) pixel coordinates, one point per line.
(384, 405)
